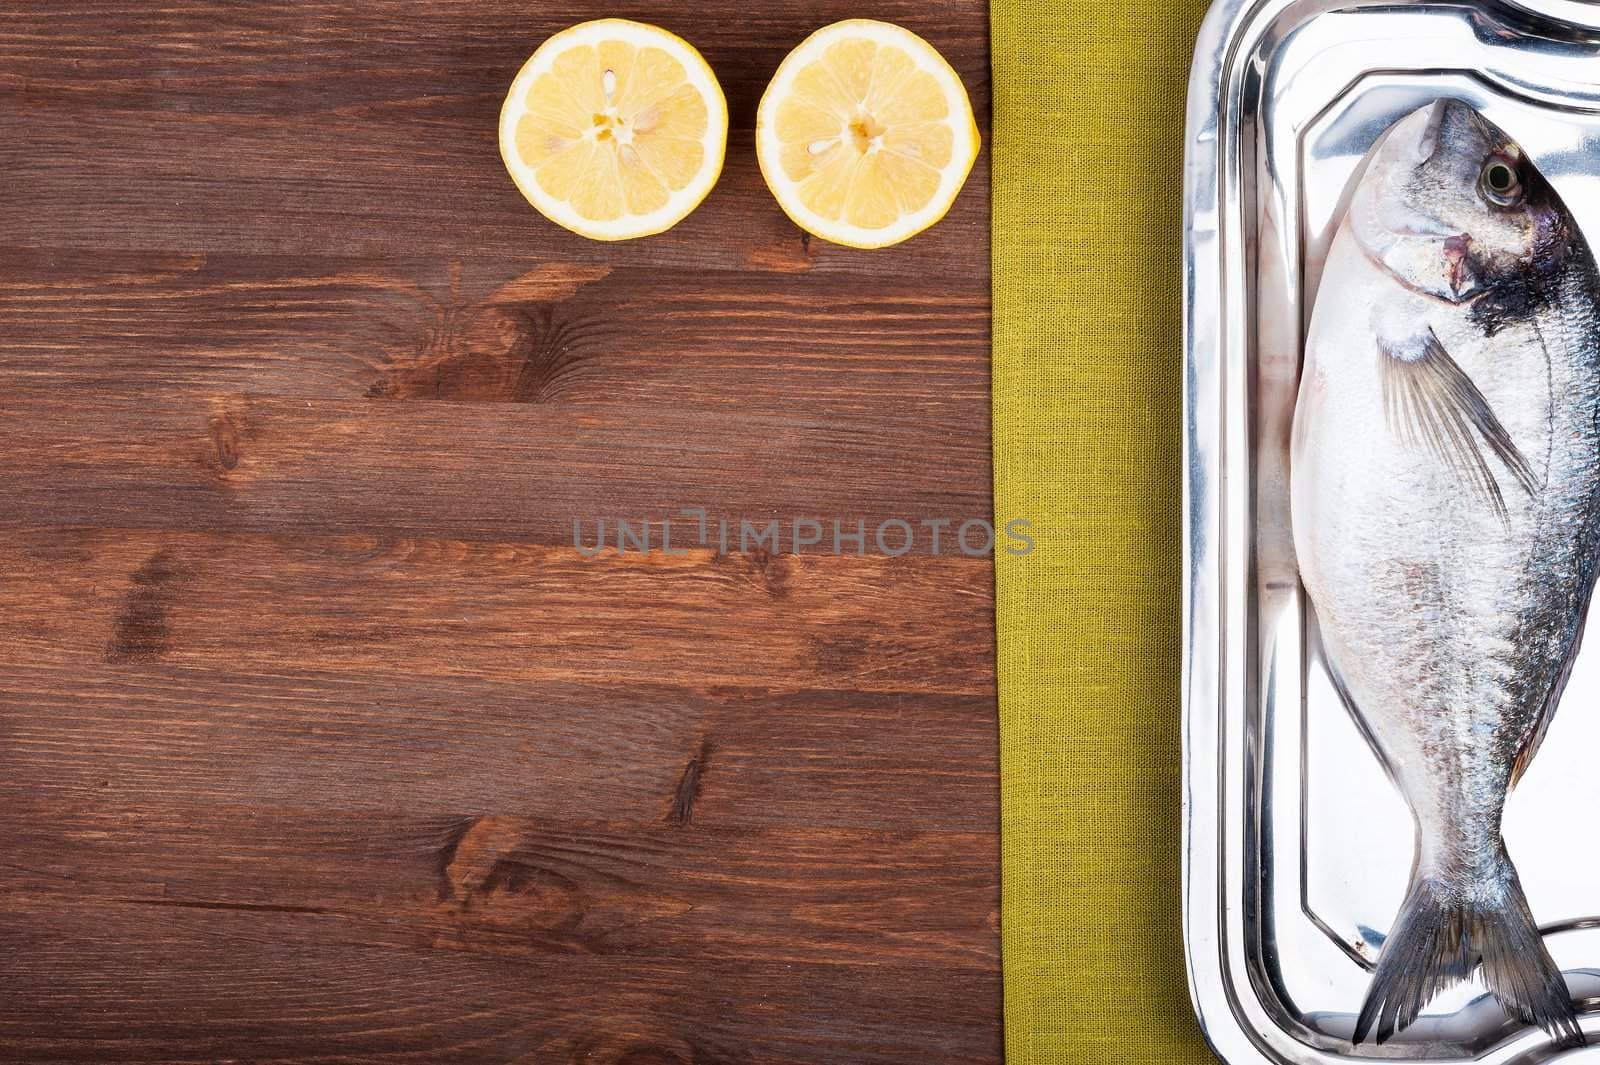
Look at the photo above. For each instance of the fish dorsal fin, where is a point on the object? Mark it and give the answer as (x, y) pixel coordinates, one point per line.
(1428, 143)
(1430, 401)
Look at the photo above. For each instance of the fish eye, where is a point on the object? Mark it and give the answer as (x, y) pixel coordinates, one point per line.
(1500, 181)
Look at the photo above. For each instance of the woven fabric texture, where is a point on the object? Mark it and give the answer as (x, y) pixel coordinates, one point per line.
(1087, 172)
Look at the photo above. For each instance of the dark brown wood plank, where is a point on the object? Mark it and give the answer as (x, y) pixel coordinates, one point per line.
(362, 743)
(496, 611)
(523, 472)
(370, 130)
(328, 56)
(441, 199)
(482, 330)
(507, 884)
(179, 985)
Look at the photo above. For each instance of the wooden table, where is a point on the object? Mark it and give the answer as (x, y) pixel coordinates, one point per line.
(319, 739)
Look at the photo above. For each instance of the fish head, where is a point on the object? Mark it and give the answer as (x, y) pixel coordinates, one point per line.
(1453, 208)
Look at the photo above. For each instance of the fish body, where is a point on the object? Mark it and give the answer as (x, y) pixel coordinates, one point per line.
(1445, 484)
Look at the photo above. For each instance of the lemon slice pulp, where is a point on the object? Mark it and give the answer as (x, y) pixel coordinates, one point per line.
(865, 134)
(614, 129)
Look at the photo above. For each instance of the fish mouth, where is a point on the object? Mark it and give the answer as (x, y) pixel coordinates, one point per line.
(1461, 269)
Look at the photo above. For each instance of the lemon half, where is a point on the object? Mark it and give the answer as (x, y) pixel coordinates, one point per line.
(865, 134)
(614, 129)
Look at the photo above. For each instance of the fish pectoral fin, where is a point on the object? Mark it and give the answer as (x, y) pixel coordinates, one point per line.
(1430, 401)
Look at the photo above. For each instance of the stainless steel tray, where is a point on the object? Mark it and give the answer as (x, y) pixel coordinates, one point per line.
(1297, 847)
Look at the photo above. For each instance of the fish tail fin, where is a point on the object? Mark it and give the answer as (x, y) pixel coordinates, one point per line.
(1428, 950)
(1441, 937)
(1520, 971)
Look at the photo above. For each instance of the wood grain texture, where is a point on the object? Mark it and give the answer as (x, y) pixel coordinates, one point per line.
(320, 740)
(368, 128)
(502, 612)
(508, 472)
(361, 743)
(509, 885)
(190, 989)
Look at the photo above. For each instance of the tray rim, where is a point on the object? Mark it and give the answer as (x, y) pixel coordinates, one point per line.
(1233, 1014)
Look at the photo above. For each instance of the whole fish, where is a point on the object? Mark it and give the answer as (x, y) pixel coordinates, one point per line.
(1445, 482)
